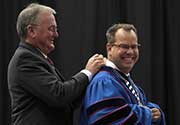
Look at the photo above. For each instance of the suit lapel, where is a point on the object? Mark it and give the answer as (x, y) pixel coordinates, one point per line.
(59, 74)
(38, 53)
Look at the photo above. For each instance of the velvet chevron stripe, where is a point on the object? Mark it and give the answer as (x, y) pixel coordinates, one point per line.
(119, 113)
(106, 103)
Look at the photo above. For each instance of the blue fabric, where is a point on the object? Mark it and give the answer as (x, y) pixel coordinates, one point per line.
(108, 101)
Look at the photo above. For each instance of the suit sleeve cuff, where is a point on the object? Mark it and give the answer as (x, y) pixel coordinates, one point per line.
(87, 73)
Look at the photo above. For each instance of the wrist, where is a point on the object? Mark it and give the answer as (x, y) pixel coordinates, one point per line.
(87, 73)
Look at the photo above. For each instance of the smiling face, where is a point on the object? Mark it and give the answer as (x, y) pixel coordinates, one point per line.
(44, 32)
(124, 51)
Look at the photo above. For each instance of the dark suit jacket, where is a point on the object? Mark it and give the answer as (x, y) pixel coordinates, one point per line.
(39, 94)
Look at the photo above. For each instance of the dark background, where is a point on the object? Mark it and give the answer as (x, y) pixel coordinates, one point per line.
(82, 25)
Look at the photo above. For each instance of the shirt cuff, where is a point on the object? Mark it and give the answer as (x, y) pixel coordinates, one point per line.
(87, 73)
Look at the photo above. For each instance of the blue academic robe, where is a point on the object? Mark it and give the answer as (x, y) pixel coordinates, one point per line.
(109, 101)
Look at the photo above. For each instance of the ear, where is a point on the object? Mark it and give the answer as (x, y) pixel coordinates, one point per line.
(31, 31)
(108, 47)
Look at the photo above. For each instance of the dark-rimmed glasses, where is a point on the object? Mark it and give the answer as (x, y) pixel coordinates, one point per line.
(127, 46)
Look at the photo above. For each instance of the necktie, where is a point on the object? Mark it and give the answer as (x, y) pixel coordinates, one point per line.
(50, 61)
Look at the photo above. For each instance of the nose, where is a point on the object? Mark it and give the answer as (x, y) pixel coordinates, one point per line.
(130, 50)
(56, 34)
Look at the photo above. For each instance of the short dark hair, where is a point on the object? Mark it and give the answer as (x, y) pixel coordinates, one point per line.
(110, 34)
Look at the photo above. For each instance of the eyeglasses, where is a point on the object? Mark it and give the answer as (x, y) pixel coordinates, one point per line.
(127, 46)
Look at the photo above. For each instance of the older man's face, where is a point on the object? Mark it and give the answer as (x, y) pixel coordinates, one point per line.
(46, 32)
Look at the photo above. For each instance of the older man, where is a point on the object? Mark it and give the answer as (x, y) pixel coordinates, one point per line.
(39, 94)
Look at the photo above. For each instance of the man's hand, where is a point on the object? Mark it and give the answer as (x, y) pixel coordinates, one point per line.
(95, 63)
(156, 114)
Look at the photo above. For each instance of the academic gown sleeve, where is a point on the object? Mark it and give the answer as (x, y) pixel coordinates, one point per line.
(106, 102)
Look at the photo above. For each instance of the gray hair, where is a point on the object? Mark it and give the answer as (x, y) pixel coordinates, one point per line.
(29, 15)
(110, 34)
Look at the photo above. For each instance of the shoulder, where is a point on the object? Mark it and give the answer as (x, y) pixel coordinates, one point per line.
(105, 73)
(27, 52)
(24, 58)
(102, 76)
(103, 79)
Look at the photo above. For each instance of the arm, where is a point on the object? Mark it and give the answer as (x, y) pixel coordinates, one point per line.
(106, 102)
(35, 77)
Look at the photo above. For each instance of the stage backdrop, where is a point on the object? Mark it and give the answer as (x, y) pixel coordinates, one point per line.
(82, 25)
